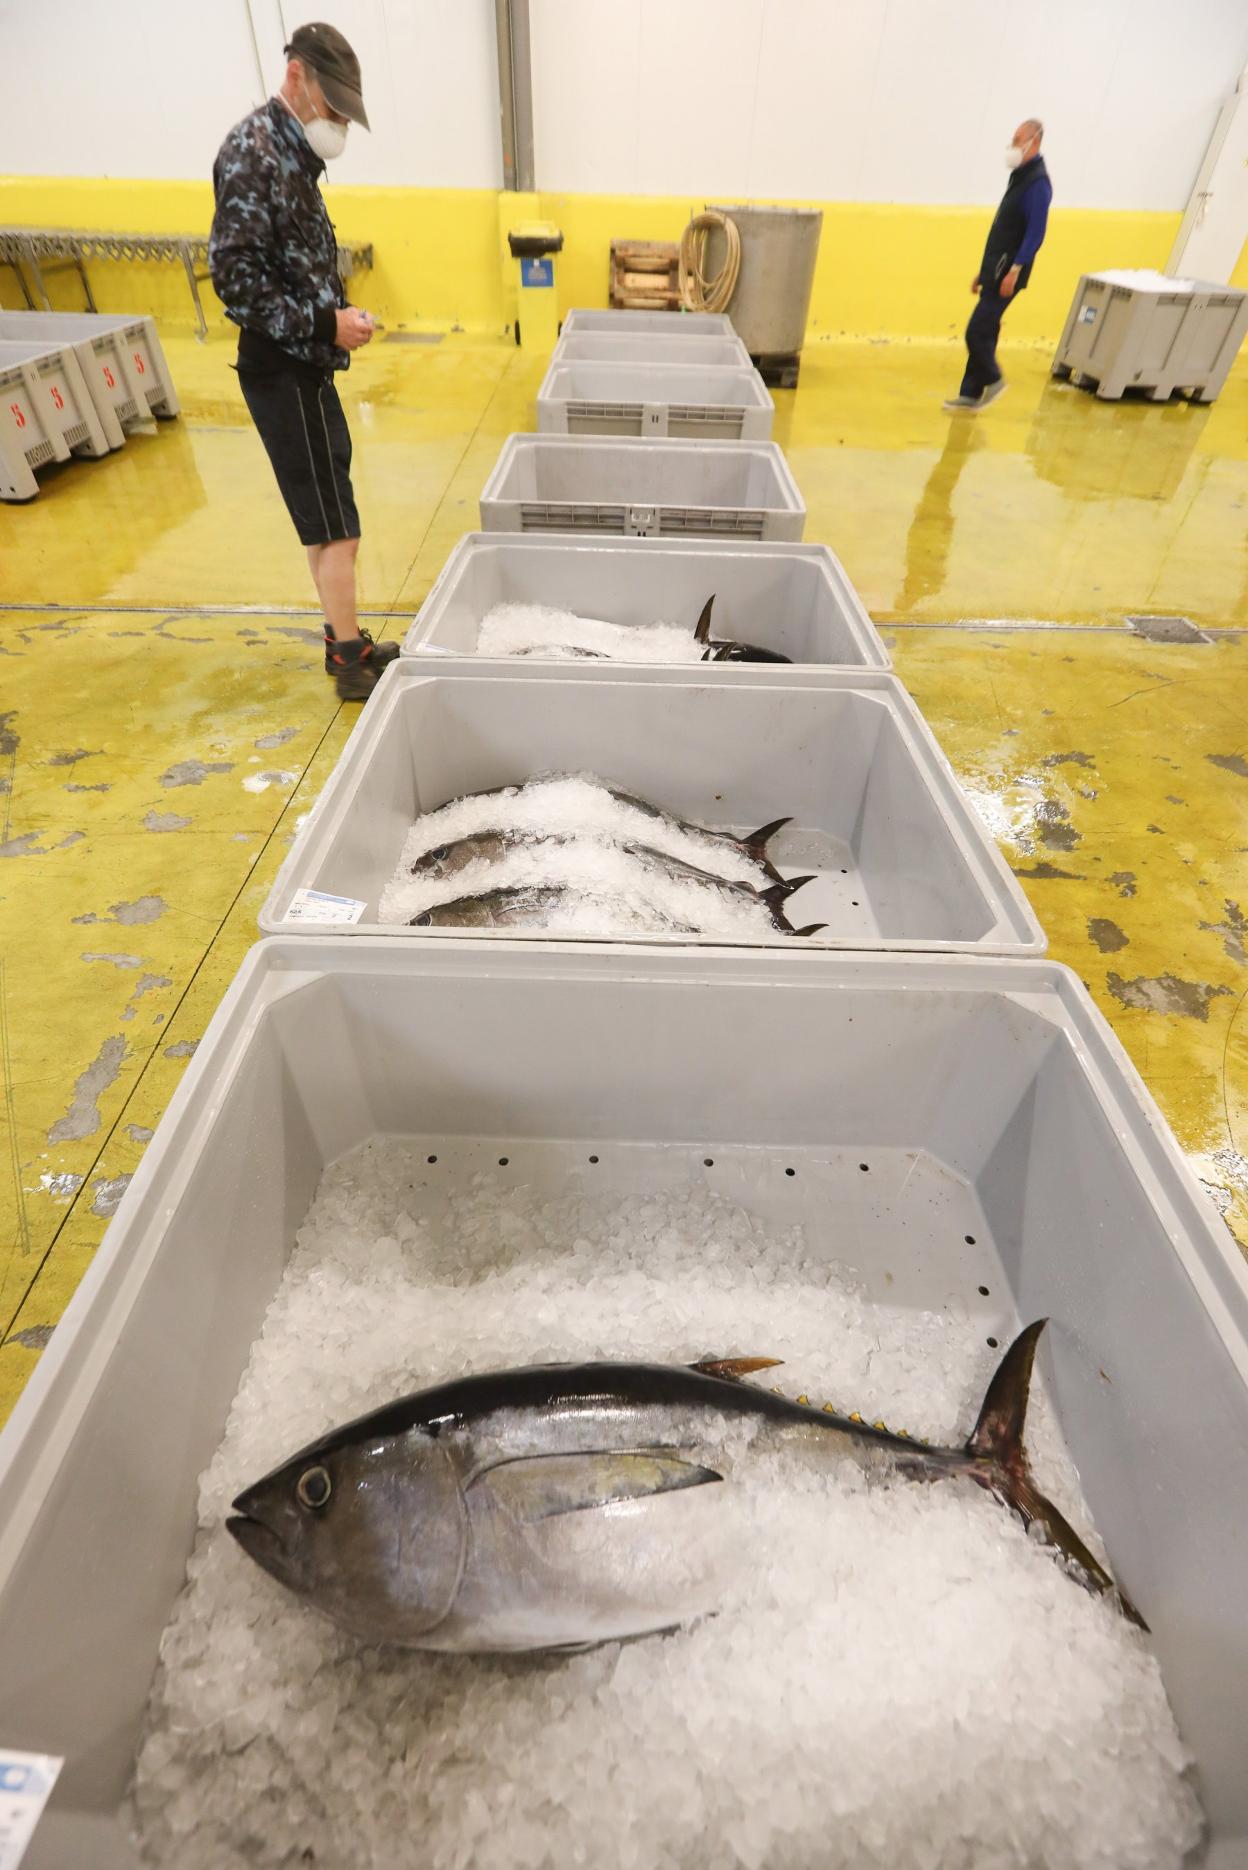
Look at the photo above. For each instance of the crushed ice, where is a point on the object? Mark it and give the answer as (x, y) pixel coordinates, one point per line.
(545, 630)
(901, 1678)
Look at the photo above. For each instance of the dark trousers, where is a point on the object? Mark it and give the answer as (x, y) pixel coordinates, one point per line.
(982, 367)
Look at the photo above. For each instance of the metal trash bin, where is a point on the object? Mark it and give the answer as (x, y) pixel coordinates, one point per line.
(533, 246)
(771, 301)
(46, 414)
(1141, 330)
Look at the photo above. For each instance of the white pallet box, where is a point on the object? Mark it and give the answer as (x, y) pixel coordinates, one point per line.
(623, 484)
(1142, 330)
(645, 347)
(655, 401)
(900, 859)
(795, 599)
(46, 414)
(667, 324)
(120, 357)
(995, 1082)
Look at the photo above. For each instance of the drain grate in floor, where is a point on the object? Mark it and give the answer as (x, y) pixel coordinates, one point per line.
(1168, 629)
(414, 337)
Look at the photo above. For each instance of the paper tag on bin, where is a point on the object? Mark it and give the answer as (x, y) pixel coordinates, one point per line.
(317, 906)
(26, 1780)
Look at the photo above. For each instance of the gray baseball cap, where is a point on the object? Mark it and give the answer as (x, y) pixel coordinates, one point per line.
(324, 50)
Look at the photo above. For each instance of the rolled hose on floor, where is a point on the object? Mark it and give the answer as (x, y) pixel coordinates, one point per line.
(697, 292)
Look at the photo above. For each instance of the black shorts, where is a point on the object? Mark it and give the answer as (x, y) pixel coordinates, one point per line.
(305, 434)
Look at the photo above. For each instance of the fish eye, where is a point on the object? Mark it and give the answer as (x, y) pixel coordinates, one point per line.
(423, 921)
(439, 851)
(314, 1488)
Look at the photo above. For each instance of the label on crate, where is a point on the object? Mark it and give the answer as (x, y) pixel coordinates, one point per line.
(1088, 315)
(316, 906)
(26, 1780)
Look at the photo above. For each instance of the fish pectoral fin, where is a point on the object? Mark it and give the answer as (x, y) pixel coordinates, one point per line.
(734, 1369)
(702, 631)
(538, 1487)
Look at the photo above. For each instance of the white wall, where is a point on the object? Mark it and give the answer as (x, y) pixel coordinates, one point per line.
(879, 100)
(840, 100)
(148, 88)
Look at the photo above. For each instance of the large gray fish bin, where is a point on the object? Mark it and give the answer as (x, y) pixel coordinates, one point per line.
(794, 599)
(988, 1098)
(666, 324)
(703, 401)
(650, 347)
(589, 483)
(900, 860)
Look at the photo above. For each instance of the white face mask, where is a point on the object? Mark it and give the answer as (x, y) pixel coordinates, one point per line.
(326, 138)
(1013, 157)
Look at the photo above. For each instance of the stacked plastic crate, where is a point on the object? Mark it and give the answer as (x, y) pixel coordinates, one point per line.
(920, 1042)
(74, 383)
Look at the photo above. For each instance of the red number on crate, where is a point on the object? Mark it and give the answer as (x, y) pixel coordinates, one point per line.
(18, 417)
(142, 366)
(109, 378)
(57, 398)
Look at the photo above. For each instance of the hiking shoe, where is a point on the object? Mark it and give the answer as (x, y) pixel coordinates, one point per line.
(962, 405)
(382, 652)
(357, 667)
(992, 392)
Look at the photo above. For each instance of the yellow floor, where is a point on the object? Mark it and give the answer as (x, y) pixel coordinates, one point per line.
(164, 719)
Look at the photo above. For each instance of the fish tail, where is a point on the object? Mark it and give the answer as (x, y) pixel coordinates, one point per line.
(702, 634)
(998, 1462)
(755, 845)
(811, 928)
(778, 894)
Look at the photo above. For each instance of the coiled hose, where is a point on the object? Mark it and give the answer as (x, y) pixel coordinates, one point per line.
(697, 292)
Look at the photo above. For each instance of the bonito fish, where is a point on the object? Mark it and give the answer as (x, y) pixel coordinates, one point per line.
(548, 1507)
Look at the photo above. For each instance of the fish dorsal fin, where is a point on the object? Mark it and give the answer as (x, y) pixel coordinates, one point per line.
(734, 1369)
(537, 1487)
(702, 634)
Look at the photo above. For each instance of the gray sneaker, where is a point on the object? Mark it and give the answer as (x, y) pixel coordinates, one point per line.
(962, 405)
(992, 392)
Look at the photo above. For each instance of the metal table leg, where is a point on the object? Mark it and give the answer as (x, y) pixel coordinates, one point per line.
(80, 263)
(193, 282)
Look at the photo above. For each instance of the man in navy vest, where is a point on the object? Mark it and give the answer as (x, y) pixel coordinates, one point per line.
(1014, 240)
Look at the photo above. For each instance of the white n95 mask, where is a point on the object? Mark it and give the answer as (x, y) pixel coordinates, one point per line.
(1013, 155)
(326, 138)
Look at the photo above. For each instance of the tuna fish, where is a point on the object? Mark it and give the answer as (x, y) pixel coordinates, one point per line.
(723, 649)
(557, 1506)
(753, 846)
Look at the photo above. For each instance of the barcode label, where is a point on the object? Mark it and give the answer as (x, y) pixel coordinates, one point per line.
(26, 1780)
(317, 906)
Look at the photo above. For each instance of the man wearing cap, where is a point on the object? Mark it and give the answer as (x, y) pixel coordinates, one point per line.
(273, 257)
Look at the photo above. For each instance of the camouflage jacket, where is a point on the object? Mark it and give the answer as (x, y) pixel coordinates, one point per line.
(273, 253)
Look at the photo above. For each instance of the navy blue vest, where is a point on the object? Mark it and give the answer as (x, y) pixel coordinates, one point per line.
(1005, 236)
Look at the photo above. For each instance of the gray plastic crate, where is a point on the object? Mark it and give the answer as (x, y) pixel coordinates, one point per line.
(670, 324)
(120, 356)
(46, 413)
(708, 402)
(596, 484)
(646, 347)
(899, 857)
(997, 1082)
(795, 599)
(1142, 330)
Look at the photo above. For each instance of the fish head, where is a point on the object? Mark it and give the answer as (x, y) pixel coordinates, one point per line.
(430, 863)
(372, 1532)
(747, 652)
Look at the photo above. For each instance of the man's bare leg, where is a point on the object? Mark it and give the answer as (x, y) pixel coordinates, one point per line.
(333, 572)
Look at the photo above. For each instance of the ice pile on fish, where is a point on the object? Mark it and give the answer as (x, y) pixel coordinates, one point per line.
(896, 1676)
(569, 854)
(561, 635)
